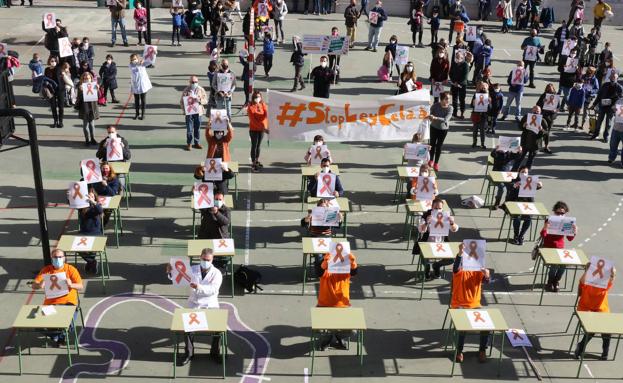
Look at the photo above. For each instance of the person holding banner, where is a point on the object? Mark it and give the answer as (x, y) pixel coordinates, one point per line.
(317, 231)
(513, 195)
(88, 111)
(532, 131)
(109, 186)
(594, 299)
(90, 223)
(205, 284)
(215, 220)
(103, 145)
(193, 94)
(318, 143)
(219, 186)
(556, 241)
(466, 294)
(516, 80)
(391, 48)
(312, 186)
(218, 142)
(440, 114)
(258, 125)
(569, 70)
(455, 14)
(117, 18)
(73, 284)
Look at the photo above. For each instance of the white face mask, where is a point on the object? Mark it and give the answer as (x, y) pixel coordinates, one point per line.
(134, 62)
(112, 135)
(52, 64)
(257, 100)
(392, 41)
(326, 169)
(194, 85)
(424, 174)
(578, 86)
(409, 69)
(206, 265)
(85, 45)
(323, 64)
(218, 203)
(319, 143)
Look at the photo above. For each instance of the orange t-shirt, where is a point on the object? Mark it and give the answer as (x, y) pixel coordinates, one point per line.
(466, 289)
(258, 117)
(335, 288)
(72, 274)
(594, 298)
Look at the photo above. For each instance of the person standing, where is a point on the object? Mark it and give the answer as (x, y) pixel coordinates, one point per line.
(88, 111)
(599, 11)
(117, 18)
(280, 10)
(298, 61)
(439, 67)
(258, 125)
(323, 77)
(139, 85)
(205, 286)
(193, 121)
(416, 21)
(480, 118)
(607, 97)
(375, 28)
(532, 41)
(108, 76)
(440, 114)
(615, 140)
(218, 142)
(458, 78)
(364, 8)
(268, 50)
(529, 140)
(507, 15)
(456, 13)
(54, 90)
(223, 96)
(407, 81)
(515, 91)
(51, 39)
(140, 22)
(351, 15)
(435, 23)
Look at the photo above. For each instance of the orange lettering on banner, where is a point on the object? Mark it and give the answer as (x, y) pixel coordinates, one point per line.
(318, 117)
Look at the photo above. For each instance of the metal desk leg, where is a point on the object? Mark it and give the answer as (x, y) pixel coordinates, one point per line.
(19, 350)
(360, 350)
(75, 337)
(102, 268)
(129, 184)
(176, 341)
(396, 199)
(236, 185)
(231, 274)
(304, 272)
(405, 227)
(502, 225)
(302, 187)
(484, 180)
(508, 231)
(223, 350)
(456, 350)
(67, 343)
(194, 232)
(419, 267)
(313, 352)
(345, 224)
(616, 348)
(114, 214)
(411, 219)
(581, 354)
(545, 272)
(575, 333)
(537, 264)
(501, 352)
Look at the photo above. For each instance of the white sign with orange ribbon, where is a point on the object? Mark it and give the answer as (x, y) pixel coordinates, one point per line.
(213, 169)
(416, 152)
(104, 201)
(439, 225)
(470, 33)
(479, 319)
(528, 185)
(77, 195)
(89, 91)
(64, 47)
(571, 65)
(317, 153)
(195, 321)
(219, 120)
(91, 171)
(527, 208)
(82, 243)
(223, 246)
(533, 122)
(326, 185)
(339, 261)
(518, 76)
(373, 17)
(598, 274)
(560, 225)
(55, 285)
(509, 176)
(437, 88)
(518, 337)
(412, 171)
(114, 149)
(181, 272)
(49, 20)
(569, 256)
(425, 188)
(203, 195)
(618, 117)
(567, 46)
(531, 53)
(191, 105)
(551, 102)
(441, 250)
(509, 144)
(481, 102)
(321, 244)
(150, 52)
(474, 251)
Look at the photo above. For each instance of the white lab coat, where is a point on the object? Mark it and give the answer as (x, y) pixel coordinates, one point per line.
(139, 79)
(206, 293)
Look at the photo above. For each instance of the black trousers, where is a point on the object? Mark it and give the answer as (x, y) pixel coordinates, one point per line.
(458, 98)
(57, 104)
(437, 136)
(268, 63)
(530, 65)
(139, 103)
(189, 346)
(256, 142)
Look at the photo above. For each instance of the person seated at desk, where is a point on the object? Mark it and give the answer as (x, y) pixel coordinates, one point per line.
(412, 184)
(425, 222)
(466, 294)
(108, 187)
(556, 241)
(74, 283)
(513, 195)
(503, 161)
(319, 231)
(318, 141)
(215, 223)
(219, 186)
(89, 220)
(334, 291)
(594, 299)
(204, 289)
(125, 147)
(312, 185)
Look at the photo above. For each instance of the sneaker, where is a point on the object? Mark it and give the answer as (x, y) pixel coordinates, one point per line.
(412, 45)
(125, 44)
(93, 142)
(502, 118)
(555, 287)
(482, 356)
(367, 48)
(436, 166)
(610, 162)
(459, 357)
(373, 49)
(604, 355)
(517, 119)
(547, 150)
(576, 353)
(197, 146)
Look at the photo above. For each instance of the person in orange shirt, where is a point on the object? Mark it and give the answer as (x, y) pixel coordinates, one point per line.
(218, 142)
(466, 293)
(334, 291)
(594, 299)
(258, 124)
(74, 283)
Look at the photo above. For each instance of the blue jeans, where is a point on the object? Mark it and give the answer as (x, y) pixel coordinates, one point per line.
(517, 98)
(224, 103)
(604, 113)
(373, 36)
(565, 91)
(318, 6)
(121, 22)
(193, 124)
(615, 139)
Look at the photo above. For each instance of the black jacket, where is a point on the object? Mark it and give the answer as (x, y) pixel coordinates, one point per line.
(108, 74)
(214, 226)
(323, 77)
(101, 149)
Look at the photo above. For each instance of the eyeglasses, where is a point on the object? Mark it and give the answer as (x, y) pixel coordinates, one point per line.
(560, 212)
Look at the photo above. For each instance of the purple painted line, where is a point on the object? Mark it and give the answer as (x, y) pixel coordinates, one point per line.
(120, 352)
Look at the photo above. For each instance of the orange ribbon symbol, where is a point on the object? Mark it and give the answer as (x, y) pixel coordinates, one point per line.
(528, 184)
(151, 52)
(533, 119)
(481, 99)
(478, 315)
(600, 268)
(90, 165)
(217, 117)
(428, 203)
(83, 241)
(338, 253)
(77, 191)
(439, 222)
(516, 335)
(318, 154)
(566, 254)
(326, 180)
(212, 168)
(181, 272)
(190, 102)
(193, 319)
(438, 87)
(509, 175)
(321, 242)
(54, 282)
(414, 170)
(89, 88)
(112, 145)
(222, 243)
(518, 75)
(472, 250)
(203, 195)
(439, 248)
(551, 98)
(425, 182)
(527, 206)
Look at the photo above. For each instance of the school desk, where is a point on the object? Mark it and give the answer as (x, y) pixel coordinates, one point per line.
(597, 323)
(549, 257)
(99, 248)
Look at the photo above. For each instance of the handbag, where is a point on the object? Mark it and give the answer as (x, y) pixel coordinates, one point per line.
(535, 249)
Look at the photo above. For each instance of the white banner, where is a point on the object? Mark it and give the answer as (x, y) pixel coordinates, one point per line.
(297, 117)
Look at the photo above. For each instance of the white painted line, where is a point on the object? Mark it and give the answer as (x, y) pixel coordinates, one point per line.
(588, 370)
(258, 377)
(306, 375)
(505, 51)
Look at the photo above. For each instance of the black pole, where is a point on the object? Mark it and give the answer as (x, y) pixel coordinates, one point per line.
(148, 6)
(36, 170)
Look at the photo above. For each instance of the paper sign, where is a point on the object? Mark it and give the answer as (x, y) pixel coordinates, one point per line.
(598, 274)
(473, 258)
(606, 79)
(150, 52)
(373, 17)
(518, 76)
(470, 33)
(567, 46)
(339, 261)
(423, 205)
(114, 2)
(569, 256)
(219, 120)
(531, 53)
(114, 149)
(437, 88)
(402, 55)
(479, 319)
(104, 201)
(509, 144)
(425, 188)
(509, 176)
(481, 102)
(191, 105)
(178, 3)
(441, 250)
(181, 273)
(527, 208)
(571, 65)
(4, 49)
(49, 20)
(315, 44)
(417, 152)
(317, 153)
(262, 9)
(533, 122)
(64, 47)
(618, 117)
(213, 170)
(460, 52)
(338, 45)
(325, 216)
(518, 338)
(528, 185)
(195, 321)
(439, 223)
(48, 310)
(55, 285)
(559, 225)
(551, 102)
(412, 171)
(77, 195)
(223, 246)
(91, 171)
(89, 91)
(82, 243)
(326, 185)
(224, 82)
(411, 86)
(321, 244)
(203, 195)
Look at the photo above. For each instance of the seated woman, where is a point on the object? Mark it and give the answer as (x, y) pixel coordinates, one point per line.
(319, 231)
(108, 187)
(313, 152)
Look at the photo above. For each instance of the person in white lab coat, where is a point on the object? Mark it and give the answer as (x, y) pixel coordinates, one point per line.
(205, 285)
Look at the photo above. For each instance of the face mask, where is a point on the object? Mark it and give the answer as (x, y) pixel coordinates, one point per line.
(409, 69)
(194, 85)
(134, 62)
(58, 262)
(496, 90)
(257, 100)
(112, 135)
(206, 265)
(440, 55)
(424, 174)
(218, 135)
(225, 67)
(319, 143)
(326, 169)
(218, 203)
(578, 86)
(109, 62)
(52, 64)
(393, 41)
(85, 45)
(323, 64)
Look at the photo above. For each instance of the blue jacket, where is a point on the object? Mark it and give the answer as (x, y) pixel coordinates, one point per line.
(269, 47)
(576, 98)
(434, 23)
(591, 86)
(517, 88)
(382, 16)
(111, 189)
(36, 66)
(89, 220)
(484, 56)
(177, 19)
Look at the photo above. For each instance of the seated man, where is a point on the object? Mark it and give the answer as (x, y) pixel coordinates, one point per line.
(312, 185)
(215, 223)
(319, 231)
(466, 293)
(101, 149)
(219, 186)
(205, 286)
(74, 283)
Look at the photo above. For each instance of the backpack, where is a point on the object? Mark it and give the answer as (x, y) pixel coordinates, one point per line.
(248, 279)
